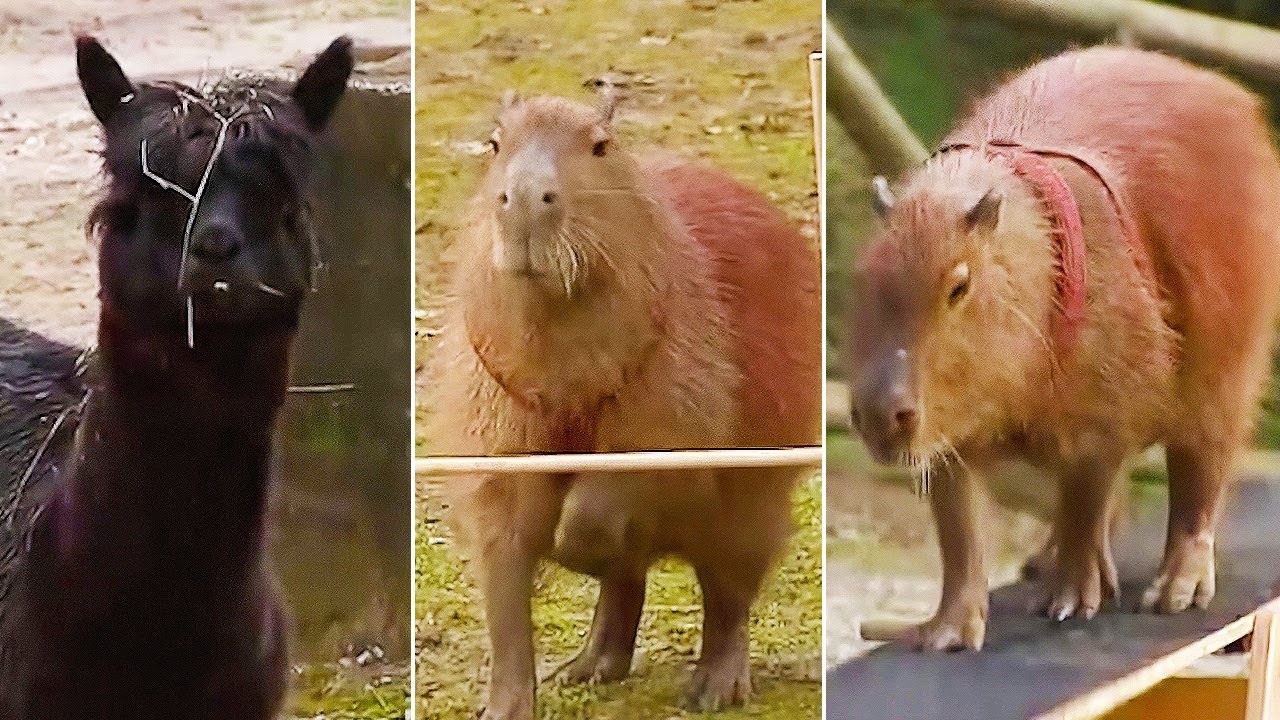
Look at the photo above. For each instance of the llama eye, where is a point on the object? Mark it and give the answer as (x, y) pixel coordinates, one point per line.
(599, 148)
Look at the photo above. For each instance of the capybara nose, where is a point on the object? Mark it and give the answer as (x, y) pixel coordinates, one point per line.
(904, 421)
(217, 242)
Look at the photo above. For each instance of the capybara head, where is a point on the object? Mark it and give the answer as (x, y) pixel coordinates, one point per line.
(558, 186)
(948, 305)
(238, 152)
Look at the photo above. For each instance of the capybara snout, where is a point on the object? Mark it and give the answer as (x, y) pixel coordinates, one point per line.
(885, 407)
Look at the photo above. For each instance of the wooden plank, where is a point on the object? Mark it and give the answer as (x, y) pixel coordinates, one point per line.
(1032, 667)
(1187, 698)
(622, 462)
(1264, 665)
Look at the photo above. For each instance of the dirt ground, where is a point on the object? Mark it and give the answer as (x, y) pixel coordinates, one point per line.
(49, 174)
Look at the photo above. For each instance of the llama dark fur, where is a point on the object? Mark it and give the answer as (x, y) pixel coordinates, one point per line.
(136, 580)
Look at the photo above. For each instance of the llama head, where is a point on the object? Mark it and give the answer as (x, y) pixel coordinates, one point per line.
(564, 200)
(205, 221)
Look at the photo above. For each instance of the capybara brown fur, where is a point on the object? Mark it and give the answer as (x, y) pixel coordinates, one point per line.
(605, 303)
(981, 331)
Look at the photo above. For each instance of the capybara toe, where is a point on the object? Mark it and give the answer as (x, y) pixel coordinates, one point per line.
(719, 685)
(595, 668)
(1186, 578)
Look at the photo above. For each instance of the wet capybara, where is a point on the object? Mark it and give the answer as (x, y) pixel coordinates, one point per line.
(1085, 268)
(604, 303)
(134, 578)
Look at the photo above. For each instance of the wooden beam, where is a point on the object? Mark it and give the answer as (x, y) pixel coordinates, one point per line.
(1264, 665)
(861, 107)
(622, 462)
(1252, 50)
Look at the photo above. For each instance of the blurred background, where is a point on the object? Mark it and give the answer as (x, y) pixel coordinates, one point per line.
(932, 58)
(721, 80)
(341, 512)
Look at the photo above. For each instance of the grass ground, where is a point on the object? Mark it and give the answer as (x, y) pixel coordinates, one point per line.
(722, 80)
(786, 632)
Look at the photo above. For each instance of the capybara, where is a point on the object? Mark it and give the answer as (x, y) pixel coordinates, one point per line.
(603, 303)
(134, 581)
(1086, 267)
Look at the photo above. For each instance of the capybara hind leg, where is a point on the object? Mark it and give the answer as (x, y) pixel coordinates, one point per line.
(961, 620)
(606, 657)
(722, 677)
(507, 577)
(1084, 572)
(1197, 480)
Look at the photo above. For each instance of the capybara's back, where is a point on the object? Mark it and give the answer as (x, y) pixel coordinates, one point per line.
(1189, 155)
(1086, 267)
(770, 279)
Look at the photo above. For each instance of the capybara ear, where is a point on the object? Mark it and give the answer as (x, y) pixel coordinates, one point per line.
(104, 83)
(610, 97)
(882, 196)
(984, 216)
(322, 84)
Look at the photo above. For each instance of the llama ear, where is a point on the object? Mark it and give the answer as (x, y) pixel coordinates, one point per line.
(985, 214)
(322, 84)
(104, 83)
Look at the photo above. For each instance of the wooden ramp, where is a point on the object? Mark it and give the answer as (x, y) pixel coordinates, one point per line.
(1032, 667)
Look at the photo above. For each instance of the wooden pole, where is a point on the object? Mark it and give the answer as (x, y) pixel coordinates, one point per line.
(622, 462)
(857, 102)
(1252, 50)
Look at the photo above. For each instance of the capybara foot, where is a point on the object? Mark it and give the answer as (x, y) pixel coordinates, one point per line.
(594, 665)
(511, 708)
(1081, 582)
(956, 626)
(720, 683)
(962, 626)
(1186, 576)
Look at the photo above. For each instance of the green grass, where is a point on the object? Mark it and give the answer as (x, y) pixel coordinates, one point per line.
(335, 693)
(786, 632)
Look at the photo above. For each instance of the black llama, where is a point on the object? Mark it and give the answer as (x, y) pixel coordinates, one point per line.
(133, 576)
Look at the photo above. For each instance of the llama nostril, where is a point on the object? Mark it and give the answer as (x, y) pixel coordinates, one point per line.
(217, 244)
(549, 197)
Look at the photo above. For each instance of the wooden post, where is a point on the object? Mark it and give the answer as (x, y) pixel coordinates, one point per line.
(1264, 665)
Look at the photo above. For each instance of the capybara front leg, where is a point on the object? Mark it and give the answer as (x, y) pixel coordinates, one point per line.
(722, 677)
(961, 620)
(507, 576)
(606, 657)
(1084, 573)
(1197, 481)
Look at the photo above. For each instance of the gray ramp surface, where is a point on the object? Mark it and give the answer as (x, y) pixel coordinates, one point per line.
(1031, 664)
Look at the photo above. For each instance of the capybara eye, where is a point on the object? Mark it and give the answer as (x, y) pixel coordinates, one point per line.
(600, 148)
(959, 284)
